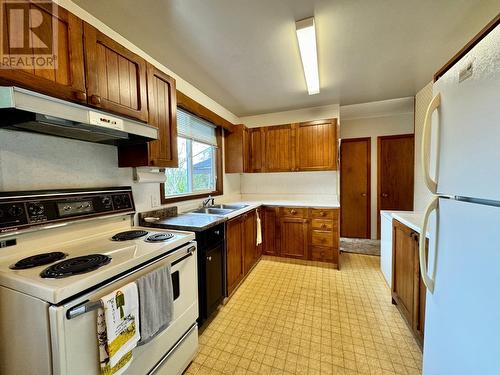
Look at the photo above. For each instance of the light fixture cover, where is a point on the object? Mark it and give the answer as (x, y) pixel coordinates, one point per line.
(306, 37)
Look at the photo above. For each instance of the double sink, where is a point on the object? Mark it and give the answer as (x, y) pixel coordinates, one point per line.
(219, 209)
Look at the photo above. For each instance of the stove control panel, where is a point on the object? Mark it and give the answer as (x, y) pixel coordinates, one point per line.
(27, 209)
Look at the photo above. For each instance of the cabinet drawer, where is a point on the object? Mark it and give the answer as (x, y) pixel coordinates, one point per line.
(325, 225)
(322, 213)
(321, 238)
(325, 254)
(294, 211)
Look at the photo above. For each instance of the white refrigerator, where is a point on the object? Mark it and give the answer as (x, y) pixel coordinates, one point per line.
(461, 161)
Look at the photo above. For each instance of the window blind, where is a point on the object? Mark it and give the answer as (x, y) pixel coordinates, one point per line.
(192, 127)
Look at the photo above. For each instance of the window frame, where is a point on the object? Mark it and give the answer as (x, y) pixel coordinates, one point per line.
(219, 188)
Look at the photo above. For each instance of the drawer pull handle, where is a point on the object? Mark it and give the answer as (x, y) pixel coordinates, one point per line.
(293, 212)
(323, 226)
(322, 213)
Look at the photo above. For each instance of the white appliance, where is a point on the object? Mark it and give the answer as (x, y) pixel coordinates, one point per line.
(461, 160)
(61, 251)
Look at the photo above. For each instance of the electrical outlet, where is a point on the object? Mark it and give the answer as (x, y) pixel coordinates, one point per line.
(155, 201)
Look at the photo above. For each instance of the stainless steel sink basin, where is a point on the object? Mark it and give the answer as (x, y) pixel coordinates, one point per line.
(212, 211)
(232, 207)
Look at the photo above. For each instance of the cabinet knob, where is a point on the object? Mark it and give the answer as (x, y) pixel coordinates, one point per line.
(80, 96)
(385, 195)
(322, 213)
(293, 212)
(95, 99)
(209, 259)
(217, 232)
(323, 226)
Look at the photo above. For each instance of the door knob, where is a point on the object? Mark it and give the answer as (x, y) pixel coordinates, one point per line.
(363, 194)
(95, 99)
(385, 195)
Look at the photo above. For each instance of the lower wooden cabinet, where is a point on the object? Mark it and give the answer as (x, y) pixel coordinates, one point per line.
(408, 290)
(270, 227)
(293, 237)
(242, 250)
(234, 251)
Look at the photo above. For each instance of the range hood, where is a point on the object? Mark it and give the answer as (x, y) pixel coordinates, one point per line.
(26, 110)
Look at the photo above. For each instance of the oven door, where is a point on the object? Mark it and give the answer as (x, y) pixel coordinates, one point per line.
(74, 341)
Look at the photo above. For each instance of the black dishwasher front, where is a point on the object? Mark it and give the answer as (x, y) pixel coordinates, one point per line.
(210, 270)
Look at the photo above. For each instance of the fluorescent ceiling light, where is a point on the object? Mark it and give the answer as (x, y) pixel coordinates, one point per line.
(306, 36)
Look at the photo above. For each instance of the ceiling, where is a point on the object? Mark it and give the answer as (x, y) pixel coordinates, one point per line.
(244, 54)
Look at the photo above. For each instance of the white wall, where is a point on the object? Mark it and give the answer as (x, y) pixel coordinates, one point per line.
(311, 186)
(422, 100)
(393, 117)
(31, 161)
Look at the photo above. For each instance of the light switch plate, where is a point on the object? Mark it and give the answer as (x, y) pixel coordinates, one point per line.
(155, 201)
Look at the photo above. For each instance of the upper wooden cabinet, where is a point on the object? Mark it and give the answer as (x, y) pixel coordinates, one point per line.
(308, 146)
(67, 79)
(256, 149)
(162, 114)
(236, 150)
(316, 145)
(116, 77)
(279, 150)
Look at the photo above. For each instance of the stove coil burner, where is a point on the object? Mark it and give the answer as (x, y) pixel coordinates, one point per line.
(129, 235)
(159, 237)
(38, 260)
(75, 266)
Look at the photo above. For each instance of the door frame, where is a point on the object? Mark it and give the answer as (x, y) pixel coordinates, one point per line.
(369, 178)
(379, 141)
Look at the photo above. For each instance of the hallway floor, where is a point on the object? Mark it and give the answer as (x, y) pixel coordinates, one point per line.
(295, 317)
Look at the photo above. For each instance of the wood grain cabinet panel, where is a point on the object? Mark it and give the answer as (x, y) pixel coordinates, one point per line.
(279, 149)
(162, 114)
(249, 241)
(294, 212)
(408, 290)
(234, 249)
(270, 231)
(316, 145)
(66, 80)
(237, 150)
(256, 149)
(116, 77)
(293, 237)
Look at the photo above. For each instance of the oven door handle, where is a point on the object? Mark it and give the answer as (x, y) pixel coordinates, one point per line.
(177, 256)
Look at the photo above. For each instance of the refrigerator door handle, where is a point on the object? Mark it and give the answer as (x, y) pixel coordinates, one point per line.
(426, 138)
(428, 282)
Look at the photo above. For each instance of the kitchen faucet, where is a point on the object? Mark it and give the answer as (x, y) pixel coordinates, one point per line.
(206, 202)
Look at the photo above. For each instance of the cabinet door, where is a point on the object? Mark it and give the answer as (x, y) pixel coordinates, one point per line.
(162, 114)
(67, 79)
(116, 77)
(269, 232)
(293, 237)
(236, 150)
(404, 265)
(256, 150)
(316, 145)
(249, 240)
(234, 248)
(213, 278)
(279, 149)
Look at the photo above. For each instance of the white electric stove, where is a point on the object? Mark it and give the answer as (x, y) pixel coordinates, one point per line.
(60, 251)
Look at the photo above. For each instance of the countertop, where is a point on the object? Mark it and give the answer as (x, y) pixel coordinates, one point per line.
(411, 219)
(199, 222)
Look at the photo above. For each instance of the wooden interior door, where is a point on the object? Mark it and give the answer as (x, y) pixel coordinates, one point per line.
(116, 77)
(279, 149)
(355, 188)
(234, 238)
(293, 237)
(395, 173)
(67, 79)
(316, 145)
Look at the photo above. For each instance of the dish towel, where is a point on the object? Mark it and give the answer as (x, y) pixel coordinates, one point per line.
(259, 230)
(121, 317)
(156, 302)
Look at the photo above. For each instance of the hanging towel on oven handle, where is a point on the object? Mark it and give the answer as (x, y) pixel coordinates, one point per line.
(156, 302)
